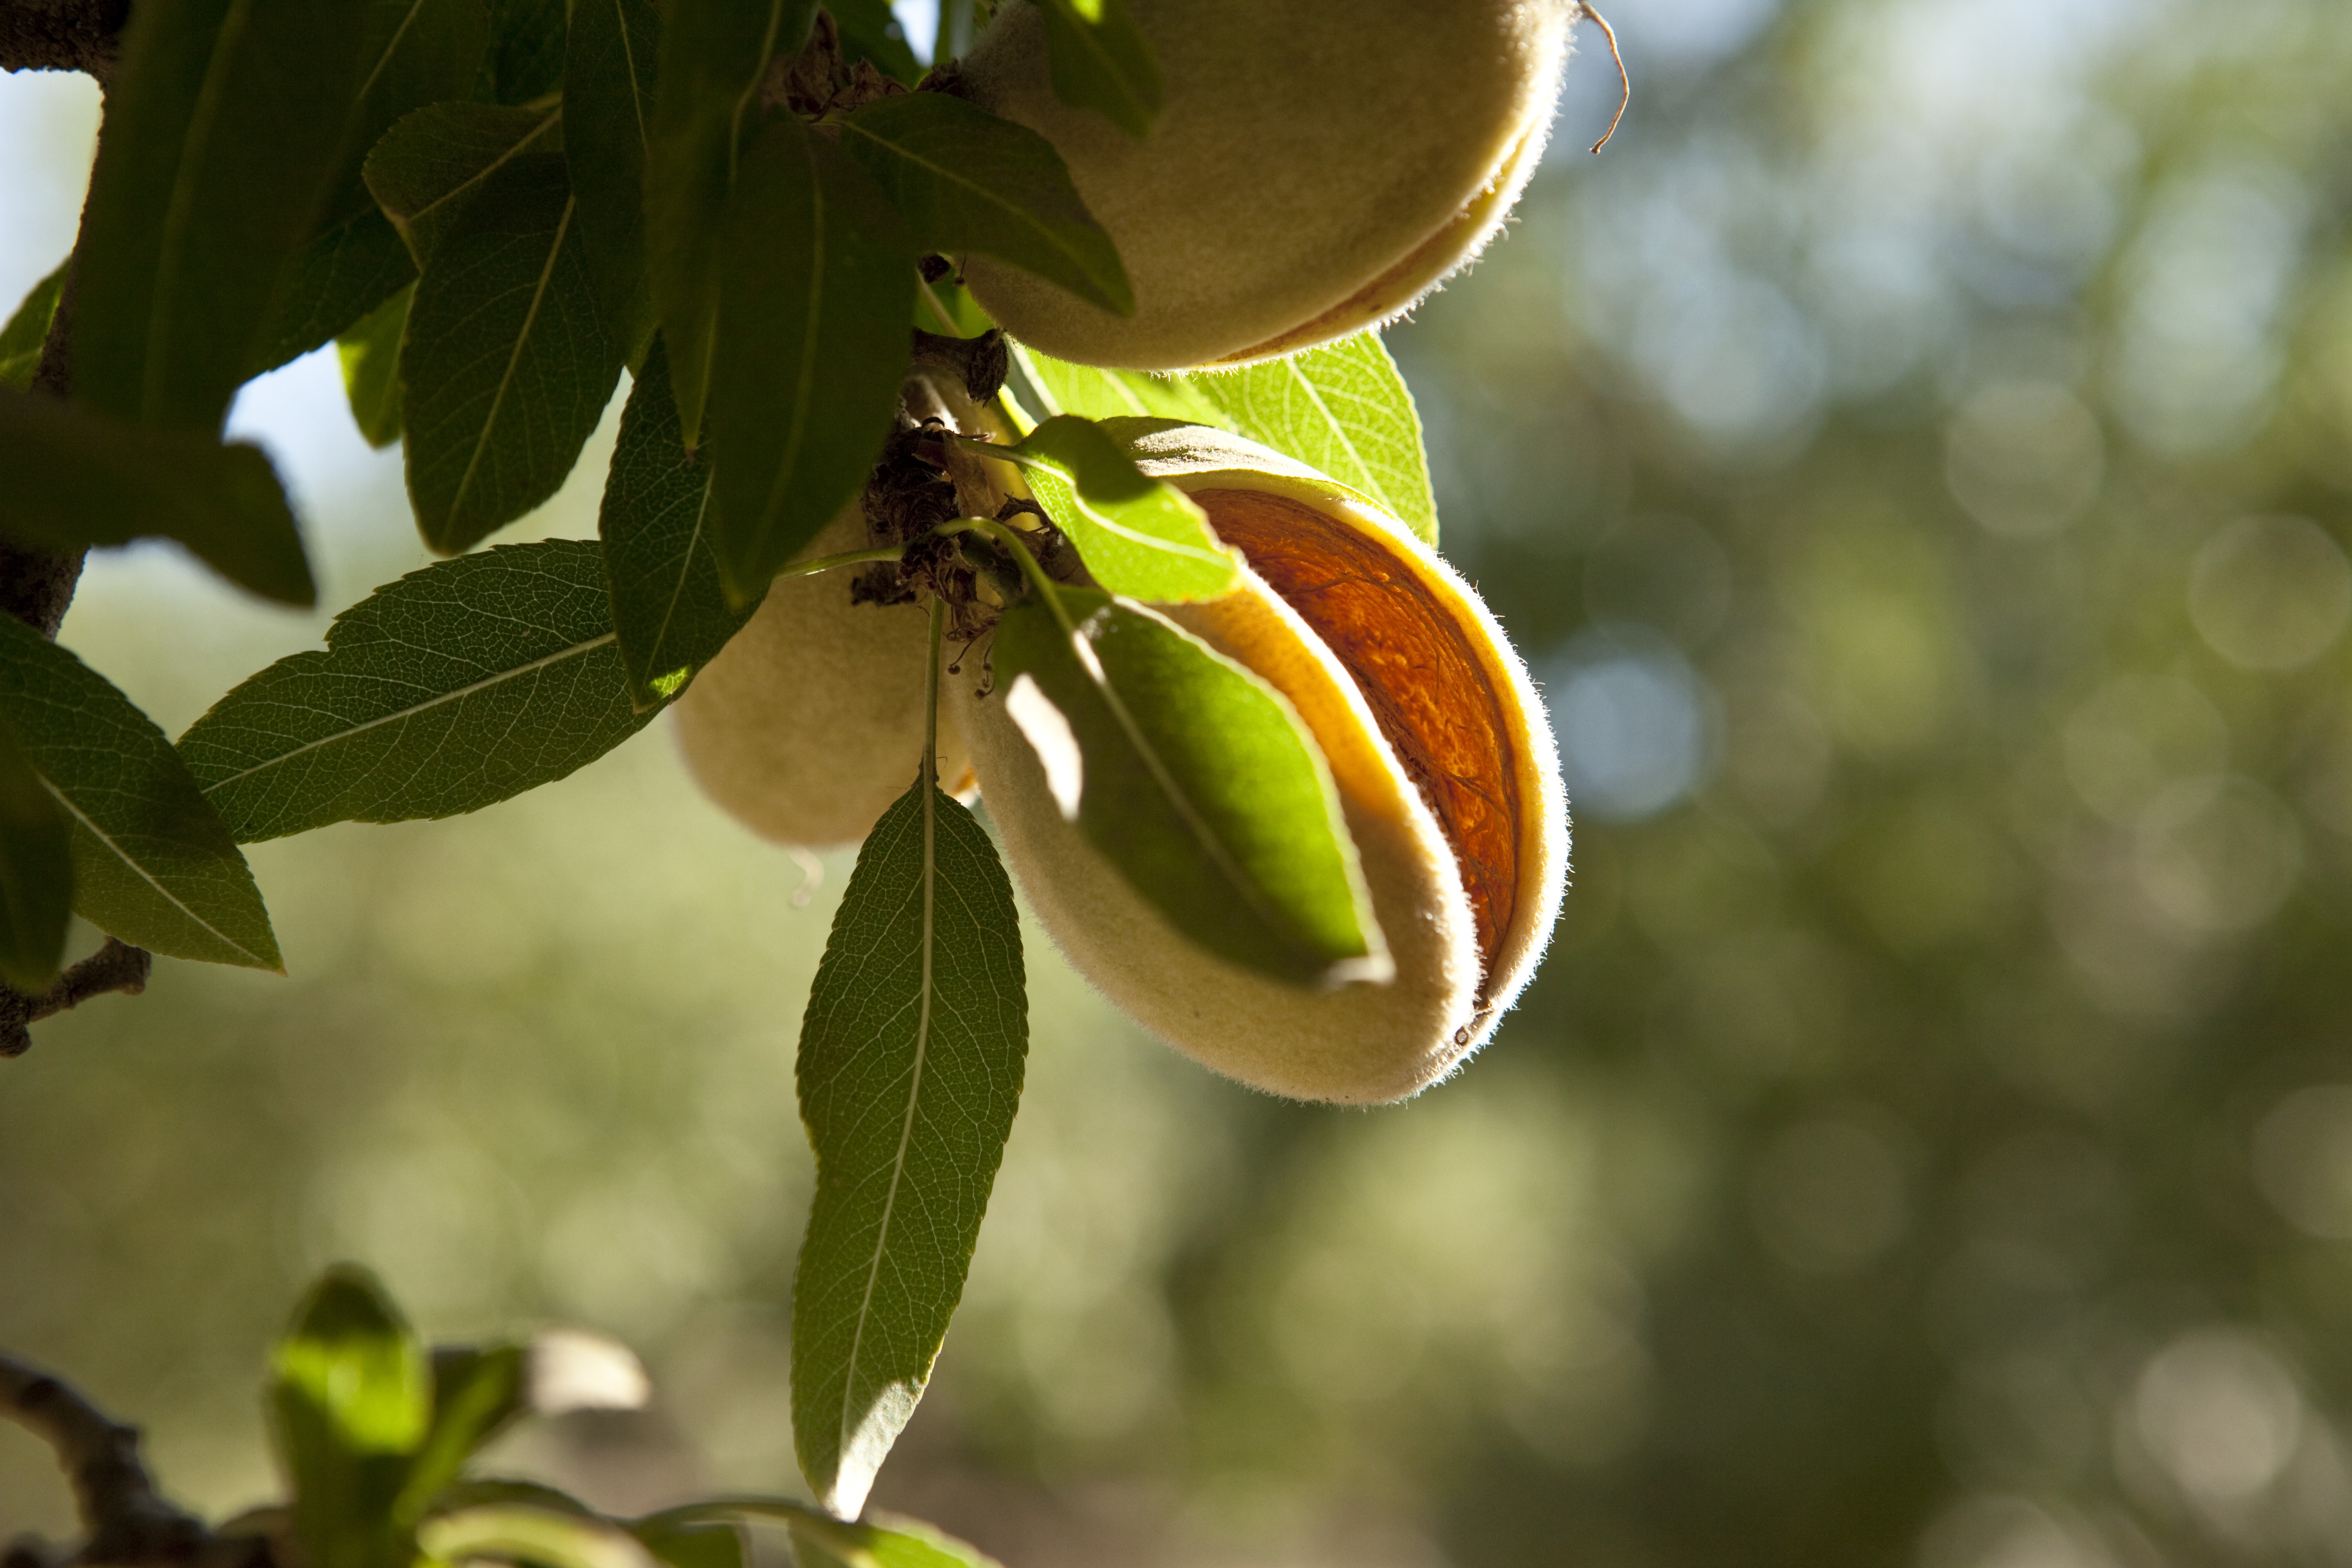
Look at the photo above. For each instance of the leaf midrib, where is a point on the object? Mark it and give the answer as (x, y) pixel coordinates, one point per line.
(514, 361)
(554, 117)
(907, 1127)
(117, 851)
(575, 650)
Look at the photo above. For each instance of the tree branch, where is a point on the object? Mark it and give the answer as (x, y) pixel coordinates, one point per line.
(117, 966)
(127, 1522)
(62, 35)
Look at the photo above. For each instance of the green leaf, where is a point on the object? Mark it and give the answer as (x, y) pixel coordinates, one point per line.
(871, 31)
(506, 367)
(964, 180)
(1197, 781)
(694, 1545)
(1138, 535)
(910, 1066)
(881, 1541)
(1341, 409)
(429, 168)
(451, 689)
(371, 356)
(668, 606)
(352, 1402)
(817, 284)
(77, 478)
(222, 131)
(1093, 394)
(151, 863)
(526, 58)
(22, 338)
(608, 96)
(518, 1533)
(714, 54)
(36, 873)
(477, 1391)
(417, 52)
(1096, 58)
(339, 275)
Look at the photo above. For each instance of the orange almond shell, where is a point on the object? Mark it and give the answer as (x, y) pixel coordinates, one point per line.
(1445, 769)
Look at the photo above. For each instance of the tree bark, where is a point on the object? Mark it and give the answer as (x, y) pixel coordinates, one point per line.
(61, 35)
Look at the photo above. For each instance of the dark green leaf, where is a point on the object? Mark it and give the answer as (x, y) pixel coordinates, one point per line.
(78, 478)
(668, 606)
(36, 873)
(506, 367)
(608, 98)
(222, 131)
(871, 31)
(371, 356)
(477, 1391)
(451, 689)
(1096, 58)
(694, 1545)
(817, 284)
(526, 58)
(429, 168)
(1197, 781)
(417, 52)
(352, 1402)
(910, 1066)
(151, 863)
(714, 54)
(1138, 535)
(964, 180)
(28, 330)
(339, 275)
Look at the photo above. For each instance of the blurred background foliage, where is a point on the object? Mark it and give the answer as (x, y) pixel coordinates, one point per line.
(1916, 456)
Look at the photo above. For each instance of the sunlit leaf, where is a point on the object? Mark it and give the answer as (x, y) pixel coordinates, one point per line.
(871, 31)
(352, 1400)
(451, 689)
(1138, 536)
(221, 134)
(911, 1066)
(1341, 409)
(519, 1532)
(371, 356)
(1096, 58)
(817, 284)
(880, 1541)
(477, 1391)
(28, 330)
(1196, 781)
(668, 606)
(506, 366)
(429, 169)
(608, 97)
(714, 54)
(694, 1545)
(152, 862)
(75, 479)
(526, 58)
(36, 873)
(966, 181)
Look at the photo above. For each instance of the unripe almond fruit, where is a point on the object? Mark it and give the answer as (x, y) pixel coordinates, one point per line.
(1444, 762)
(1319, 165)
(810, 722)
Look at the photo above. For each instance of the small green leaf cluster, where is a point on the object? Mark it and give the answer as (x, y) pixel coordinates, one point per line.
(494, 208)
(380, 1441)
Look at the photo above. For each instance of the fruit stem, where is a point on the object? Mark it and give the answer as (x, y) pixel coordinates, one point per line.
(931, 700)
(1624, 82)
(848, 558)
(1010, 537)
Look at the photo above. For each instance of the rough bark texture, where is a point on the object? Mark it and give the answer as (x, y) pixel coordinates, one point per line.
(61, 35)
(37, 585)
